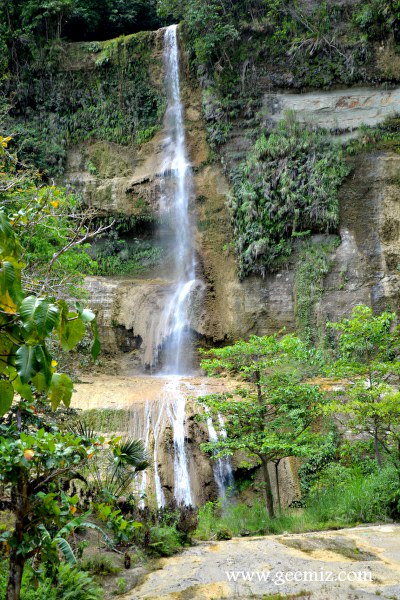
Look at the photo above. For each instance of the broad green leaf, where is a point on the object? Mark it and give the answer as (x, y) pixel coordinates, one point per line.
(38, 316)
(61, 389)
(6, 348)
(46, 318)
(9, 245)
(6, 396)
(66, 550)
(39, 382)
(43, 360)
(26, 362)
(10, 274)
(27, 311)
(72, 331)
(23, 389)
(7, 276)
(96, 347)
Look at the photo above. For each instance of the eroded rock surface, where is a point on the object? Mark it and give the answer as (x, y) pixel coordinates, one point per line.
(366, 558)
(143, 408)
(344, 109)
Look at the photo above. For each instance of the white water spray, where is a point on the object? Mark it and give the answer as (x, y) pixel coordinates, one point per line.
(222, 466)
(172, 329)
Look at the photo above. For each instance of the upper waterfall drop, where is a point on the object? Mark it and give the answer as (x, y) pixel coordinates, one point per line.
(171, 332)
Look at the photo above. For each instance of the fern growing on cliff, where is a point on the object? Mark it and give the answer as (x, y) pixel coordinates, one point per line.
(287, 186)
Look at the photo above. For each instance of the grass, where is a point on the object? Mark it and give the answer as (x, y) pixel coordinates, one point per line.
(348, 500)
(241, 520)
(106, 420)
(99, 564)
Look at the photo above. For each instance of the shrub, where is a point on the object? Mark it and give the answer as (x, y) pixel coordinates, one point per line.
(164, 541)
(76, 585)
(348, 496)
(224, 534)
(99, 564)
(71, 584)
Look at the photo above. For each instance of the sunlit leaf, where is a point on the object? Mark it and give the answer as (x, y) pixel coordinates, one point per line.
(6, 396)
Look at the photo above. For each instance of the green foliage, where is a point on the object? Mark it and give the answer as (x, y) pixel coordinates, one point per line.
(288, 185)
(70, 584)
(113, 473)
(25, 326)
(165, 540)
(313, 265)
(76, 585)
(378, 18)
(324, 454)
(105, 420)
(107, 97)
(34, 454)
(349, 497)
(99, 564)
(122, 529)
(118, 256)
(368, 358)
(47, 221)
(385, 136)
(269, 418)
(343, 497)
(39, 21)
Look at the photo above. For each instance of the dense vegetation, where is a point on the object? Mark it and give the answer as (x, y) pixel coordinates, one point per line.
(99, 90)
(287, 187)
(24, 23)
(62, 474)
(286, 178)
(350, 469)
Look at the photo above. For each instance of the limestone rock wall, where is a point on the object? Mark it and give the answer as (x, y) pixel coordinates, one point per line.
(364, 265)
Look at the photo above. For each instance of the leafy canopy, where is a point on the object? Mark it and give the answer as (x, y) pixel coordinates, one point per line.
(369, 366)
(270, 416)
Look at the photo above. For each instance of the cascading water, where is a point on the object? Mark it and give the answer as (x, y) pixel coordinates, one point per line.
(176, 412)
(175, 318)
(169, 339)
(171, 332)
(222, 469)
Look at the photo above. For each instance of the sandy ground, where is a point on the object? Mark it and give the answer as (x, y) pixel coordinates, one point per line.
(366, 559)
(103, 391)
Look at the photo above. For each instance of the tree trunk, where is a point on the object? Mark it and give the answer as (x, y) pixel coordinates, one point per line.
(268, 490)
(378, 455)
(19, 496)
(278, 491)
(17, 563)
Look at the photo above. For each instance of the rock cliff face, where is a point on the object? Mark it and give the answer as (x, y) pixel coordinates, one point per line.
(140, 406)
(364, 265)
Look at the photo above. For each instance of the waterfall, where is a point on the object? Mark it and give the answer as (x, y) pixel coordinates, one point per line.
(222, 466)
(171, 332)
(176, 411)
(145, 438)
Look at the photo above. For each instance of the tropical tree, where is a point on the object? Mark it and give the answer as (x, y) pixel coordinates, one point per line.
(270, 416)
(368, 363)
(53, 228)
(113, 472)
(34, 453)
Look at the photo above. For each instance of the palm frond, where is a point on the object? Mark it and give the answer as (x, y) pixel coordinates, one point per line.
(81, 429)
(131, 452)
